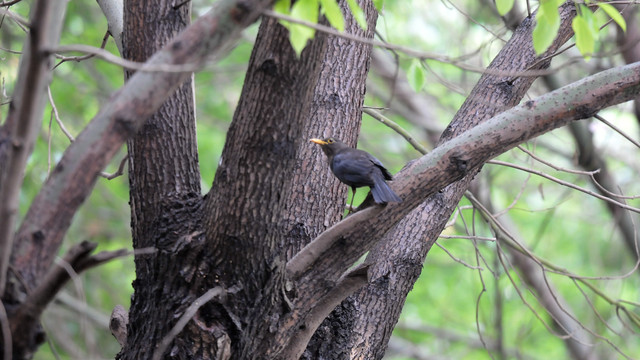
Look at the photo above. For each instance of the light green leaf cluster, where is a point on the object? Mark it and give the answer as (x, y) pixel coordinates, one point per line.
(614, 14)
(547, 25)
(309, 10)
(586, 30)
(585, 25)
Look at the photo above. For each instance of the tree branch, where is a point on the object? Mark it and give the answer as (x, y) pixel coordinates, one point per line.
(78, 259)
(113, 11)
(25, 115)
(453, 159)
(186, 317)
(73, 178)
(347, 285)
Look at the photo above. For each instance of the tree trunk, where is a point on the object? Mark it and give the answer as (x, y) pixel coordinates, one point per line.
(268, 199)
(164, 183)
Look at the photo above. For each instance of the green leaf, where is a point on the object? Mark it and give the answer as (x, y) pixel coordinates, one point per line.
(379, 4)
(504, 6)
(332, 12)
(585, 40)
(299, 35)
(358, 14)
(547, 25)
(614, 14)
(416, 75)
(282, 7)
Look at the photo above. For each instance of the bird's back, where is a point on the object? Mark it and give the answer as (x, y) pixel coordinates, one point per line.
(354, 167)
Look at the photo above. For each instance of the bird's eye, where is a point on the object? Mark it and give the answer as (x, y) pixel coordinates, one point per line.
(330, 141)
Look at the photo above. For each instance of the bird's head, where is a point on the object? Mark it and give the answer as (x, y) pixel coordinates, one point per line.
(329, 145)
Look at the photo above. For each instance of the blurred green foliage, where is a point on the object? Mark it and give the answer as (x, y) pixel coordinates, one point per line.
(451, 303)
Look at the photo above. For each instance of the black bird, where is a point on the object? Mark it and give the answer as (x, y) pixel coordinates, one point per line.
(358, 168)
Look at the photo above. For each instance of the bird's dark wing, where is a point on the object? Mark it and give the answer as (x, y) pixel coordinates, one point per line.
(353, 168)
(376, 162)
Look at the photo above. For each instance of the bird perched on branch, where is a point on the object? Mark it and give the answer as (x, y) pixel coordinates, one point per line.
(358, 168)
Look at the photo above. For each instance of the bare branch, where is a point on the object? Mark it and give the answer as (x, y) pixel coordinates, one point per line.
(73, 178)
(475, 237)
(412, 52)
(184, 319)
(113, 11)
(25, 116)
(9, 3)
(457, 259)
(347, 285)
(64, 59)
(456, 157)
(118, 172)
(567, 184)
(397, 128)
(618, 130)
(57, 116)
(22, 22)
(555, 167)
(148, 66)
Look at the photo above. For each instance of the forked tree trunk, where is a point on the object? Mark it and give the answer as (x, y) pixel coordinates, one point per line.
(164, 183)
(272, 192)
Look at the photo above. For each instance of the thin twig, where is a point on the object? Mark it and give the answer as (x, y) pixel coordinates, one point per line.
(23, 23)
(184, 319)
(9, 3)
(407, 50)
(555, 167)
(618, 130)
(612, 194)
(565, 183)
(57, 116)
(521, 295)
(127, 64)
(483, 238)
(77, 284)
(84, 57)
(11, 51)
(397, 128)
(458, 260)
(593, 308)
(512, 242)
(516, 198)
(118, 172)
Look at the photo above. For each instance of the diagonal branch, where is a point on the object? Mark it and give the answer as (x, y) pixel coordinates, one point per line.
(73, 178)
(25, 116)
(77, 259)
(186, 317)
(346, 285)
(453, 159)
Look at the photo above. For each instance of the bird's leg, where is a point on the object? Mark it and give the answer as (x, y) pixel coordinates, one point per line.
(353, 196)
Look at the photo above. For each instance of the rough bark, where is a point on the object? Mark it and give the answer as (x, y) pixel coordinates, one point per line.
(270, 167)
(405, 104)
(164, 183)
(49, 216)
(399, 256)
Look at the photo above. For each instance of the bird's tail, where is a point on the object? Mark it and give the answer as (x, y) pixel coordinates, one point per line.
(381, 191)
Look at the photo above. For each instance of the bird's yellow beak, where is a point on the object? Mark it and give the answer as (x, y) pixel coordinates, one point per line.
(318, 141)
